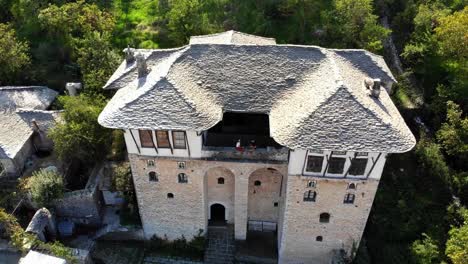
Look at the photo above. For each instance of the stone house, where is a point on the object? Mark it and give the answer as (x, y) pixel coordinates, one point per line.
(24, 122)
(234, 128)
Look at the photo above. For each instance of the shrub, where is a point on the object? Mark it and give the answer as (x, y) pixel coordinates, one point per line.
(193, 249)
(45, 186)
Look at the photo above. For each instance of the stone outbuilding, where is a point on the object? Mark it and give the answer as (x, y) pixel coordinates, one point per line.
(24, 122)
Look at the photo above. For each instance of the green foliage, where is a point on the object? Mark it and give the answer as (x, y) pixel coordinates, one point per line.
(97, 61)
(14, 55)
(453, 134)
(180, 247)
(353, 24)
(457, 244)
(431, 159)
(45, 186)
(122, 178)
(426, 250)
(452, 34)
(23, 241)
(81, 137)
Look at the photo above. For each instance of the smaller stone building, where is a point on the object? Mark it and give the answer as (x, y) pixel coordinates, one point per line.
(24, 122)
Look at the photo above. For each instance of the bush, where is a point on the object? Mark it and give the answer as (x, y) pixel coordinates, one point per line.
(193, 249)
(45, 186)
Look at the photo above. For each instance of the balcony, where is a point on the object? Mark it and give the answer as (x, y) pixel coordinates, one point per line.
(242, 136)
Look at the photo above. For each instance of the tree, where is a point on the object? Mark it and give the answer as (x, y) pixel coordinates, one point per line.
(457, 244)
(452, 33)
(352, 24)
(426, 250)
(14, 55)
(97, 60)
(453, 135)
(45, 186)
(80, 137)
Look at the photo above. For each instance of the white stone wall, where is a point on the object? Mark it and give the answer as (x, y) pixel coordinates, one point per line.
(262, 198)
(301, 219)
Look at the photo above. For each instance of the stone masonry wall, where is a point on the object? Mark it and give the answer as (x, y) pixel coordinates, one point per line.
(301, 219)
(262, 198)
(186, 213)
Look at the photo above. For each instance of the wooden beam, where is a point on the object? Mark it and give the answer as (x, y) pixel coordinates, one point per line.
(328, 161)
(152, 141)
(373, 165)
(350, 159)
(186, 142)
(134, 140)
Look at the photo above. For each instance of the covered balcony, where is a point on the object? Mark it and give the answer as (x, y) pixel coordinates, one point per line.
(242, 136)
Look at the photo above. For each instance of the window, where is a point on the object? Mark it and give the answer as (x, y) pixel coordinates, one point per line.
(311, 184)
(324, 217)
(339, 153)
(275, 204)
(349, 198)
(257, 183)
(309, 196)
(358, 166)
(162, 137)
(178, 137)
(220, 180)
(153, 176)
(170, 195)
(352, 186)
(362, 154)
(319, 238)
(314, 164)
(181, 165)
(336, 165)
(150, 163)
(183, 178)
(146, 138)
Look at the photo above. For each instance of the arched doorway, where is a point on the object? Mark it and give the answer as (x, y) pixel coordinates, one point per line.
(219, 189)
(217, 214)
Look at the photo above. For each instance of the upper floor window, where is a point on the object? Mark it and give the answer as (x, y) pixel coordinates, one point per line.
(309, 196)
(183, 178)
(162, 137)
(324, 218)
(314, 164)
(257, 183)
(311, 184)
(352, 186)
(220, 180)
(358, 167)
(349, 198)
(178, 138)
(146, 138)
(336, 165)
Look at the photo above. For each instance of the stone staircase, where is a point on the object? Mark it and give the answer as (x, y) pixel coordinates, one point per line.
(221, 245)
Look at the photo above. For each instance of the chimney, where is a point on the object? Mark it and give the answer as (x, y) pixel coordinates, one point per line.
(141, 65)
(374, 86)
(72, 88)
(129, 54)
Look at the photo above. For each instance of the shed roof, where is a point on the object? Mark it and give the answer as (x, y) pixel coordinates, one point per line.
(16, 128)
(33, 97)
(315, 97)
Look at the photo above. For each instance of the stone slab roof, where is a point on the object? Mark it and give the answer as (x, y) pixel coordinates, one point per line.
(16, 128)
(315, 97)
(33, 97)
(231, 37)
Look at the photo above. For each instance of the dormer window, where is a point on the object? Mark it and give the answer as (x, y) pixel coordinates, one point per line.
(358, 167)
(146, 138)
(162, 137)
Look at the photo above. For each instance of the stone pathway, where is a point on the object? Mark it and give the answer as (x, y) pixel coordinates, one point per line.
(221, 246)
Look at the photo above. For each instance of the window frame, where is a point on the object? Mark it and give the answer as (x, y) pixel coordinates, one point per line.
(174, 139)
(308, 161)
(221, 180)
(347, 199)
(182, 178)
(144, 145)
(359, 159)
(326, 217)
(156, 178)
(343, 159)
(308, 197)
(167, 136)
